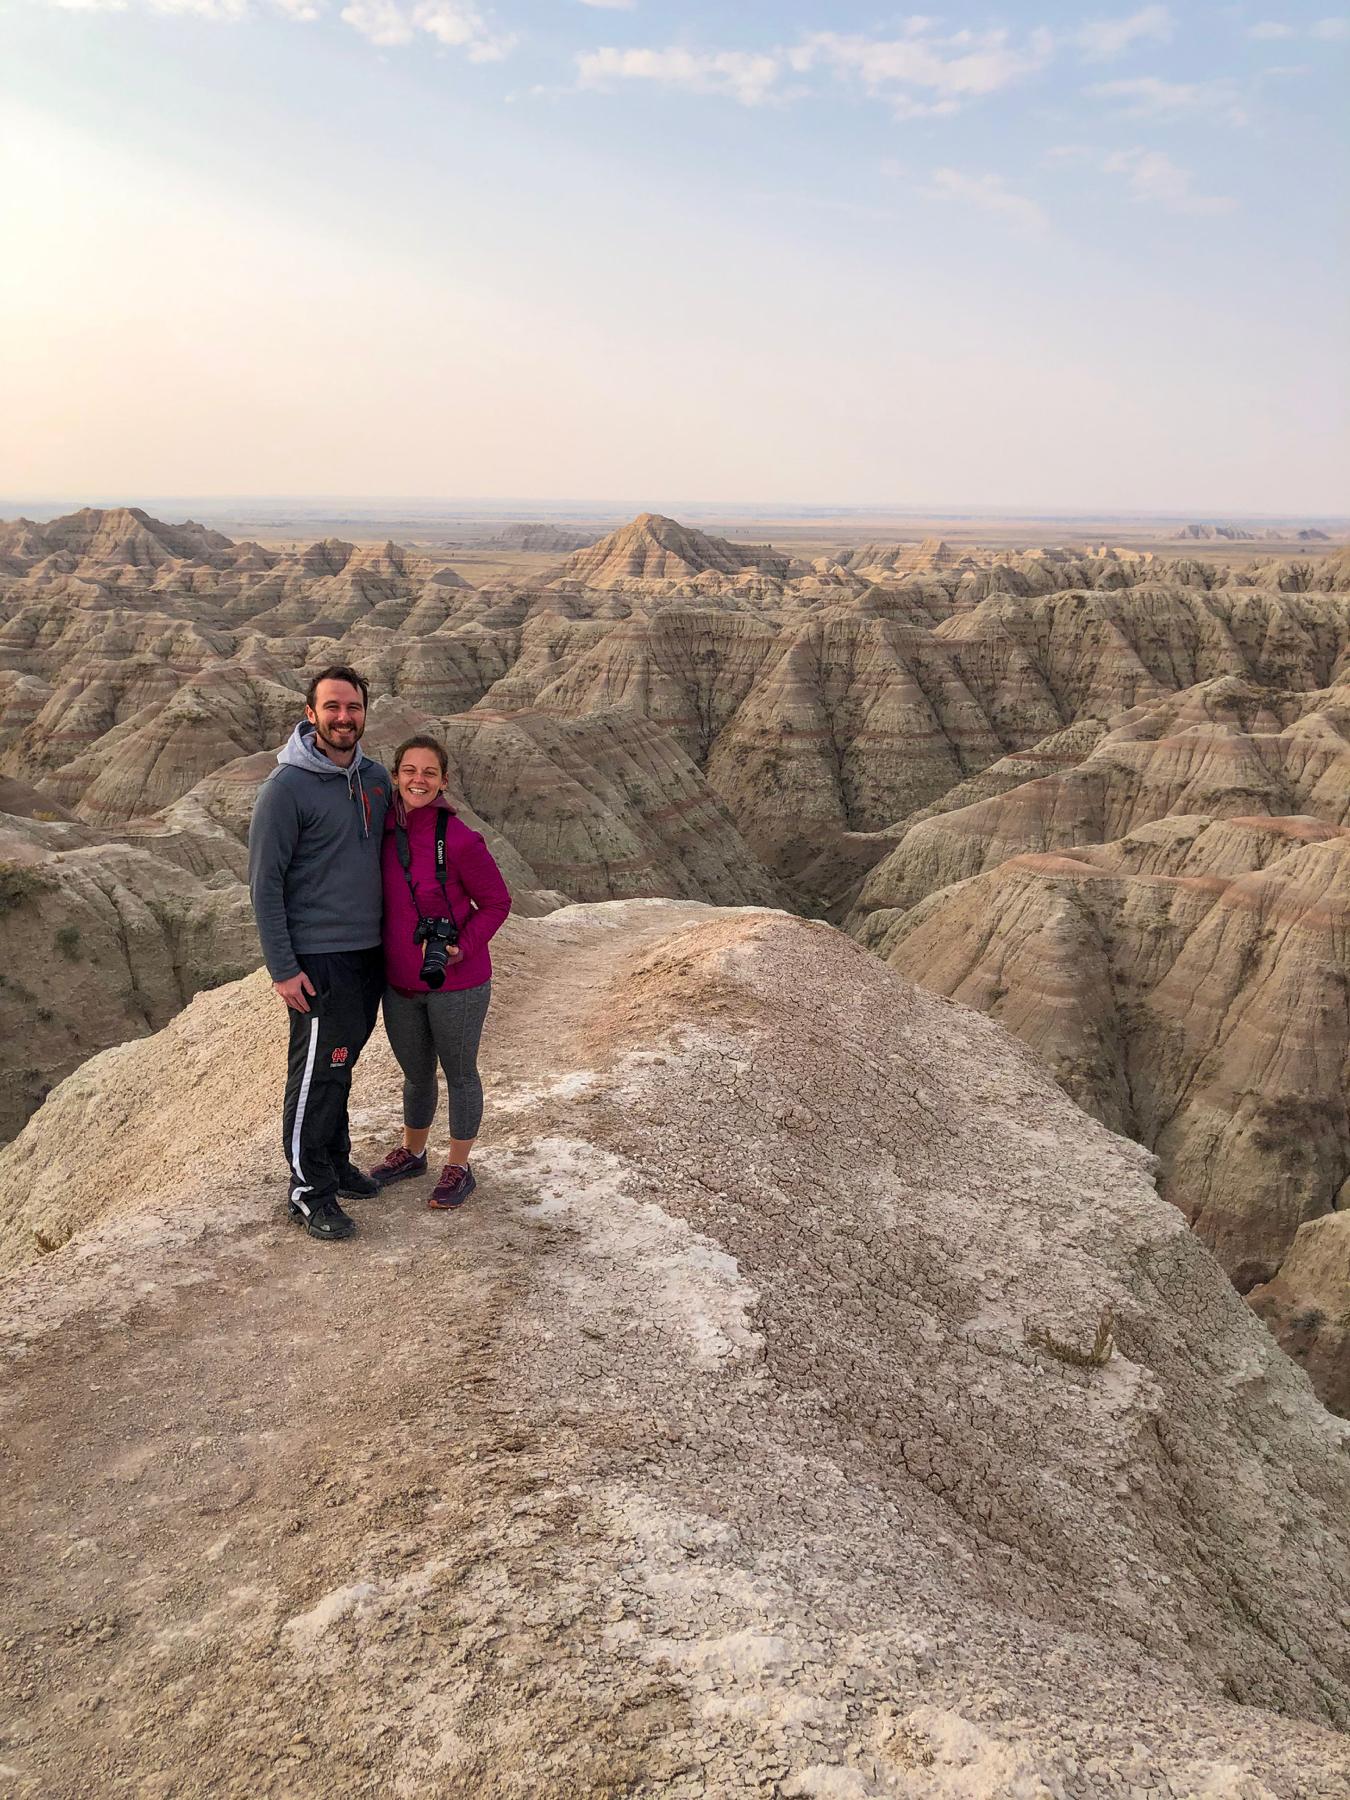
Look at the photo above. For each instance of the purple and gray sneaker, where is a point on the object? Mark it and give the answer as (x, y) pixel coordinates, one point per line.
(453, 1188)
(399, 1165)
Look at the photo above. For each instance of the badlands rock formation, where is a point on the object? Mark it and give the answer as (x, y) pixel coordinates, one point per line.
(1202, 1013)
(1179, 959)
(670, 713)
(656, 550)
(743, 1435)
(1305, 1305)
(552, 540)
(102, 942)
(1238, 534)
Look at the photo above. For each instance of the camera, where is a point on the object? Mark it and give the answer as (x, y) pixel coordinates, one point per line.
(436, 937)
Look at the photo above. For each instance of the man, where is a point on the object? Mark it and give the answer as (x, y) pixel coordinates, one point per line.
(314, 873)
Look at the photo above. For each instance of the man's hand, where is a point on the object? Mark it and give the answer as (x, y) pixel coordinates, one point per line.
(293, 991)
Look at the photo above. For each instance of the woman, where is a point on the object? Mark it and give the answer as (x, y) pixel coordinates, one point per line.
(438, 980)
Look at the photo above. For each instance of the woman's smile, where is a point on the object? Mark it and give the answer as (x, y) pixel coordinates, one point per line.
(419, 778)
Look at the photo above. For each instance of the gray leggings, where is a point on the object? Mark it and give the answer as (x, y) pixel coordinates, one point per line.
(445, 1028)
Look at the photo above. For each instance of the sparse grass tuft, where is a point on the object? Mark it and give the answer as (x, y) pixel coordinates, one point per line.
(18, 884)
(1098, 1353)
(67, 941)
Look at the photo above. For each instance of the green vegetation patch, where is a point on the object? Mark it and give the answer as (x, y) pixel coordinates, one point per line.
(18, 885)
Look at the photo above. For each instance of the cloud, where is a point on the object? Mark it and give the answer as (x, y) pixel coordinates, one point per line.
(229, 10)
(742, 75)
(388, 24)
(1276, 30)
(612, 5)
(945, 71)
(1153, 178)
(1150, 97)
(457, 24)
(918, 74)
(1101, 39)
(463, 28)
(990, 194)
(384, 22)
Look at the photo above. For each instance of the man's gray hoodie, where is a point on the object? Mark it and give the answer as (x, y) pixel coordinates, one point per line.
(314, 854)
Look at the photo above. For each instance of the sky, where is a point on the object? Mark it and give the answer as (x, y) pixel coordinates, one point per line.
(1040, 256)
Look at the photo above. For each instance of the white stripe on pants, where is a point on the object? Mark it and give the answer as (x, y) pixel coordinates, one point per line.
(296, 1192)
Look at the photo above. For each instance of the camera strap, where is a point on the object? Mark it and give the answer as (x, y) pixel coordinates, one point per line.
(404, 850)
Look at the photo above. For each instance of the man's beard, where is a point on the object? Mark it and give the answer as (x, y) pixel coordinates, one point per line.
(351, 737)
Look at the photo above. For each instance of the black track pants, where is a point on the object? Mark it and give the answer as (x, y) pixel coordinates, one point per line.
(325, 1043)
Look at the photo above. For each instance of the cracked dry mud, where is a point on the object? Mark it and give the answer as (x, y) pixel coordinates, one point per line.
(703, 1454)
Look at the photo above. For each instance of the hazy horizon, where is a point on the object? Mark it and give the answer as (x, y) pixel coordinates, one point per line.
(471, 506)
(550, 246)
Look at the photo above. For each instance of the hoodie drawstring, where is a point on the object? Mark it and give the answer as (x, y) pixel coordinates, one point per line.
(360, 796)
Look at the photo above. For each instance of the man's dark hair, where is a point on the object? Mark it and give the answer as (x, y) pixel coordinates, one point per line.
(338, 672)
(422, 743)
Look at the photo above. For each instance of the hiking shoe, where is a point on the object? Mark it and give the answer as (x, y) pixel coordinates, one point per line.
(355, 1185)
(324, 1220)
(453, 1188)
(399, 1165)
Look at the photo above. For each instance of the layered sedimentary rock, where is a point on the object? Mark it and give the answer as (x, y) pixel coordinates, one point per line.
(445, 671)
(552, 539)
(879, 562)
(1307, 1305)
(98, 538)
(653, 549)
(855, 720)
(1225, 747)
(55, 636)
(858, 735)
(1189, 987)
(605, 807)
(102, 942)
(837, 1411)
(686, 668)
(22, 698)
(161, 751)
(598, 808)
(548, 644)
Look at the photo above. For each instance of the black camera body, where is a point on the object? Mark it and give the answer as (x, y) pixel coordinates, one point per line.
(435, 936)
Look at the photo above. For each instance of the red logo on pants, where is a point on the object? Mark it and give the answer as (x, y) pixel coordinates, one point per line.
(339, 1057)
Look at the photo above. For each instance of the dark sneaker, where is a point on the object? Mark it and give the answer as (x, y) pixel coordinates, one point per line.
(453, 1188)
(399, 1165)
(325, 1219)
(355, 1185)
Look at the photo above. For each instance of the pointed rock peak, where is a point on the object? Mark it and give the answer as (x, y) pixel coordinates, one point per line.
(653, 547)
(127, 535)
(329, 556)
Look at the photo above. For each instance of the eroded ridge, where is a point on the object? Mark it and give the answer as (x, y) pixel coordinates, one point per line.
(710, 1451)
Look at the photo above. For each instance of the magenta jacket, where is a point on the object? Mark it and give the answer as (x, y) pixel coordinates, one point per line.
(478, 898)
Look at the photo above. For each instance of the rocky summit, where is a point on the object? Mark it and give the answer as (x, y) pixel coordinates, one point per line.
(812, 1401)
(1099, 793)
